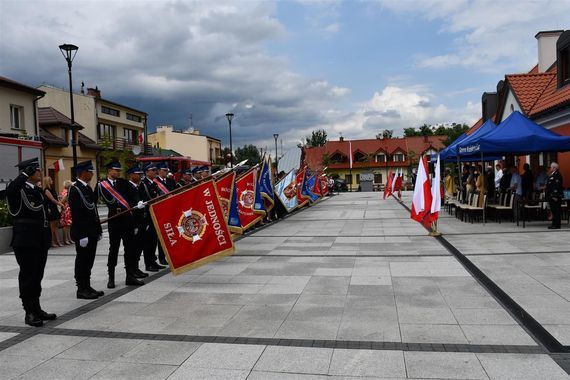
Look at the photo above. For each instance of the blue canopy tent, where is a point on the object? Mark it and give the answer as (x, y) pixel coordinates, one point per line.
(451, 150)
(517, 134)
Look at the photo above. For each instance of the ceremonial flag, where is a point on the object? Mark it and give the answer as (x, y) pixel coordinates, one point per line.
(436, 192)
(225, 188)
(324, 185)
(350, 153)
(300, 180)
(191, 227)
(234, 222)
(286, 191)
(265, 184)
(58, 165)
(258, 205)
(246, 198)
(421, 201)
(308, 185)
(389, 183)
(317, 189)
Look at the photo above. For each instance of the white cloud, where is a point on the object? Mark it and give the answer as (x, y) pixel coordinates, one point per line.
(491, 36)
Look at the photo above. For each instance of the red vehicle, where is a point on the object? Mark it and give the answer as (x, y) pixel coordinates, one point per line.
(175, 164)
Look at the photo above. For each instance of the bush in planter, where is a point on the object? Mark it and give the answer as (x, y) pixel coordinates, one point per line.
(5, 217)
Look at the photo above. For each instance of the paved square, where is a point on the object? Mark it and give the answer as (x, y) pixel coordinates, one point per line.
(350, 287)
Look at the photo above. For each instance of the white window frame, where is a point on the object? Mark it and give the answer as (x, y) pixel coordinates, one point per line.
(20, 117)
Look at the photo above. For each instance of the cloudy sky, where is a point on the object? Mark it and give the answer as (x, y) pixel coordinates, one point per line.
(287, 67)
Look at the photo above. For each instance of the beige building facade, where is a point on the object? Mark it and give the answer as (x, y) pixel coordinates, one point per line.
(187, 143)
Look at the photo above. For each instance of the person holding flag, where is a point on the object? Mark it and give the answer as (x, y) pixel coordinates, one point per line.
(435, 198)
(149, 190)
(422, 199)
(118, 196)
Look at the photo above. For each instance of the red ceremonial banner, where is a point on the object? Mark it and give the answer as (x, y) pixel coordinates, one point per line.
(324, 185)
(300, 179)
(191, 227)
(245, 186)
(225, 188)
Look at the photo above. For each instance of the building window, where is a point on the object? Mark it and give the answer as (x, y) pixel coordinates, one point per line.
(381, 157)
(564, 66)
(399, 157)
(16, 115)
(337, 157)
(132, 117)
(106, 131)
(348, 179)
(110, 111)
(130, 135)
(378, 178)
(360, 157)
(358, 179)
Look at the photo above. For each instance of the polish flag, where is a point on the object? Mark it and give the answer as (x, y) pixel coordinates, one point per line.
(58, 165)
(436, 193)
(422, 199)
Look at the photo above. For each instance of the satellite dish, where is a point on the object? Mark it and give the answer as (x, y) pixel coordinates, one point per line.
(136, 149)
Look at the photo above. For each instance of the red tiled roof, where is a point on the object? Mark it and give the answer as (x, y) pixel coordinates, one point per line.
(534, 70)
(528, 88)
(552, 96)
(50, 139)
(419, 144)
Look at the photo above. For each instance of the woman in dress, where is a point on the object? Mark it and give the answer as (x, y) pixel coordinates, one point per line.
(65, 221)
(53, 214)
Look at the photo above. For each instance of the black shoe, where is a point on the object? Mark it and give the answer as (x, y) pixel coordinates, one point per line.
(33, 319)
(98, 292)
(86, 294)
(139, 274)
(152, 268)
(133, 281)
(111, 282)
(553, 228)
(163, 261)
(46, 316)
(160, 266)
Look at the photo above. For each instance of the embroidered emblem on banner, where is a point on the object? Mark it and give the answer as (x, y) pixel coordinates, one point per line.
(192, 225)
(247, 198)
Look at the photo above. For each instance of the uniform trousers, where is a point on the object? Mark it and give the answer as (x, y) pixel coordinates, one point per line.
(121, 232)
(84, 259)
(555, 207)
(32, 262)
(150, 242)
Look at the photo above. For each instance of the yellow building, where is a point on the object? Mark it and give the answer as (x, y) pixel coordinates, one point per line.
(102, 124)
(187, 143)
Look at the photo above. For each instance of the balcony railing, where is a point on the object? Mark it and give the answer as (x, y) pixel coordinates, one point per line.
(121, 143)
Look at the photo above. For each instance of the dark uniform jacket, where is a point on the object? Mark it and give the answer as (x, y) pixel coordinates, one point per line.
(28, 205)
(181, 183)
(123, 187)
(83, 205)
(169, 183)
(553, 187)
(139, 215)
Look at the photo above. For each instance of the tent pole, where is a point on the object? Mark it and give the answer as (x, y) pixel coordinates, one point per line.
(484, 185)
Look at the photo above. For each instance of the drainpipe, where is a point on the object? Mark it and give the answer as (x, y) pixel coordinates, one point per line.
(37, 129)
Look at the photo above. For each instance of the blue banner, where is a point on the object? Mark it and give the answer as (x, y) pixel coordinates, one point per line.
(234, 223)
(308, 186)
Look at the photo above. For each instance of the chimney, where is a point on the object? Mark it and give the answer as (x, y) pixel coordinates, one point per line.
(341, 138)
(94, 92)
(426, 139)
(547, 48)
(489, 103)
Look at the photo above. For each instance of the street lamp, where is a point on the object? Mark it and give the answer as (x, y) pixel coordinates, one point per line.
(276, 136)
(230, 116)
(69, 51)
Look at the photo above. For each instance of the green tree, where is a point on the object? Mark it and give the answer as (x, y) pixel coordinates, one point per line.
(411, 132)
(385, 134)
(318, 138)
(326, 159)
(248, 152)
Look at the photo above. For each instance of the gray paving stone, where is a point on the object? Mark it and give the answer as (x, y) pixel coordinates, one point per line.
(160, 352)
(43, 346)
(99, 349)
(443, 365)
(134, 371)
(367, 363)
(295, 360)
(497, 334)
(184, 373)
(13, 366)
(521, 367)
(432, 334)
(59, 368)
(225, 356)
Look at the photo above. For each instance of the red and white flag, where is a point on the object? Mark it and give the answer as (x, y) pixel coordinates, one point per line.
(389, 185)
(436, 193)
(58, 165)
(191, 227)
(422, 199)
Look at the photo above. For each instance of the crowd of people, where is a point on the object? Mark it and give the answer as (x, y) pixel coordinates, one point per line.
(38, 211)
(524, 187)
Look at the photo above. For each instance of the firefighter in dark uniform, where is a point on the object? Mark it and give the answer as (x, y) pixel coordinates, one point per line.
(86, 229)
(139, 217)
(186, 178)
(148, 190)
(31, 238)
(554, 192)
(116, 193)
(168, 184)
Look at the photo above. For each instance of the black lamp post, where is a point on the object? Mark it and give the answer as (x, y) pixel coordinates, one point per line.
(69, 51)
(276, 136)
(230, 116)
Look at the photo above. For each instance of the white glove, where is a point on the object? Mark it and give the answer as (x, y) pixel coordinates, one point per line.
(140, 205)
(99, 237)
(83, 242)
(136, 231)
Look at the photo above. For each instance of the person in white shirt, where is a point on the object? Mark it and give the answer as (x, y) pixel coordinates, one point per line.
(498, 175)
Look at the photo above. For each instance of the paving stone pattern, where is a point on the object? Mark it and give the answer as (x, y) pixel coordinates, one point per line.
(348, 288)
